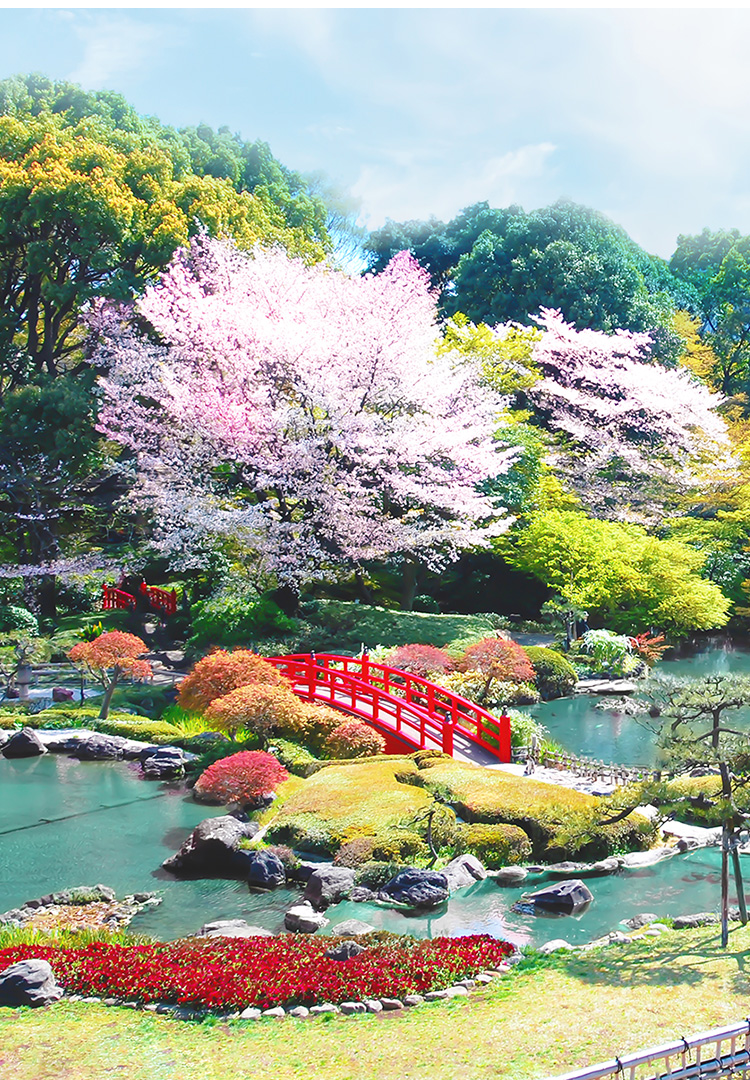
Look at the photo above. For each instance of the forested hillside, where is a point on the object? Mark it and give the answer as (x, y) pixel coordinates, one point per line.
(510, 410)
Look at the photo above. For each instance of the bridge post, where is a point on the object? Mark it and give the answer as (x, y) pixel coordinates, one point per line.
(310, 665)
(503, 738)
(448, 737)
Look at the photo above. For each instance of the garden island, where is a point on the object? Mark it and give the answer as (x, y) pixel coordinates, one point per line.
(373, 644)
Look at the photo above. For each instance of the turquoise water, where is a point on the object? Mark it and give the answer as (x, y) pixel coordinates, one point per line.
(625, 740)
(64, 822)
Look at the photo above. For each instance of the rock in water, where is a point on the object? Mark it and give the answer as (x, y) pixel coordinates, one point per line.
(328, 885)
(265, 870)
(462, 871)
(237, 928)
(564, 897)
(508, 876)
(303, 919)
(352, 928)
(25, 743)
(417, 888)
(29, 982)
(210, 848)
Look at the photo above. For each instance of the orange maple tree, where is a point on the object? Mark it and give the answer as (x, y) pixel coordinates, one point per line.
(110, 656)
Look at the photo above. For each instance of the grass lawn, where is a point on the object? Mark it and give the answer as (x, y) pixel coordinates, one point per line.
(564, 1013)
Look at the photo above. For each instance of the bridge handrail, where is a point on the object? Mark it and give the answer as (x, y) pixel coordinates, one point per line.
(719, 1064)
(440, 705)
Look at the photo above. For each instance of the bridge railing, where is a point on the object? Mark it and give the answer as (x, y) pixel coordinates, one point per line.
(415, 702)
(720, 1052)
(116, 598)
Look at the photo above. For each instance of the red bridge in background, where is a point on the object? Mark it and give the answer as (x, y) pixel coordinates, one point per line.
(412, 713)
(158, 599)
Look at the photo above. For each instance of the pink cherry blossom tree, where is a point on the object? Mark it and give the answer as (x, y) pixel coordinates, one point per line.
(301, 411)
(630, 431)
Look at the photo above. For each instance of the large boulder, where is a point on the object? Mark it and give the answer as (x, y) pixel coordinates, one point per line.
(101, 747)
(210, 849)
(417, 888)
(304, 919)
(29, 982)
(564, 897)
(265, 870)
(462, 871)
(329, 884)
(25, 743)
(235, 928)
(163, 762)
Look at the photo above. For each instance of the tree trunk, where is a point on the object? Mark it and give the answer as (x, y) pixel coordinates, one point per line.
(107, 701)
(409, 585)
(726, 836)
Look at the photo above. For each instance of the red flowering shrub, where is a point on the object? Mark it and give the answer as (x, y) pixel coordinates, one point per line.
(243, 778)
(500, 657)
(221, 672)
(353, 739)
(234, 973)
(424, 660)
(262, 709)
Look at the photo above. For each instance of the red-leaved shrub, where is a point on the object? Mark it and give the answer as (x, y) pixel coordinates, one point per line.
(353, 739)
(234, 973)
(244, 778)
(424, 660)
(499, 657)
(221, 672)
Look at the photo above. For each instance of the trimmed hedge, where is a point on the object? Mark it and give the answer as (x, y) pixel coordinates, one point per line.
(495, 845)
(551, 816)
(388, 847)
(555, 675)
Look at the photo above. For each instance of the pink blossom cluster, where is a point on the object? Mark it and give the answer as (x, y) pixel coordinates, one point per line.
(301, 410)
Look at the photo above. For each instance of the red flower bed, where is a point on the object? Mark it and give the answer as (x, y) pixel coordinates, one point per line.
(265, 972)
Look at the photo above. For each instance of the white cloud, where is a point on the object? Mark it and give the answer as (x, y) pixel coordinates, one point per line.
(114, 45)
(408, 186)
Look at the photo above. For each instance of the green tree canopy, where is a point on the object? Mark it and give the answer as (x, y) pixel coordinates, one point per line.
(625, 578)
(500, 265)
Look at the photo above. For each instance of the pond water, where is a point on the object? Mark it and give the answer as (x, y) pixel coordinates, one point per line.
(64, 822)
(610, 736)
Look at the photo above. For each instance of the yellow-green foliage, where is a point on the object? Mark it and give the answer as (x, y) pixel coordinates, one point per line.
(363, 798)
(398, 846)
(495, 845)
(551, 816)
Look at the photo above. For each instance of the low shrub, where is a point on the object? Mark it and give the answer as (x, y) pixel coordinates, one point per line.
(361, 798)
(234, 617)
(295, 758)
(424, 660)
(221, 672)
(354, 738)
(16, 619)
(524, 728)
(264, 710)
(500, 658)
(557, 820)
(246, 778)
(554, 674)
(151, 731)
(231, 974)
(495, 845)
(396, 846)
(375, 875)
(489, 693)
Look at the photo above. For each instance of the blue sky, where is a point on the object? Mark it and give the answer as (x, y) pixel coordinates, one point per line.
(644, 115)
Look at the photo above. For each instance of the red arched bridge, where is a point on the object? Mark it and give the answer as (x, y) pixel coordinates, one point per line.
(412, 713)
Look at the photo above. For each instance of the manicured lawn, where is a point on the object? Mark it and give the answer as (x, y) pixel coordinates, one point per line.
(537, 1023)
